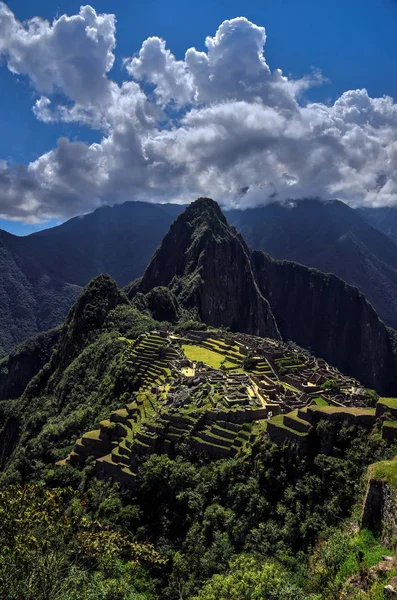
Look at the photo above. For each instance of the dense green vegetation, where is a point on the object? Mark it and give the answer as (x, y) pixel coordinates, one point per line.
(239, 528)
(273, 522)
(52, 547)
(86, 378)
(236, 528)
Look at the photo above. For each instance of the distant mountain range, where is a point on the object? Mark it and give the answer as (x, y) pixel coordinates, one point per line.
(43, 273)
(384, 219)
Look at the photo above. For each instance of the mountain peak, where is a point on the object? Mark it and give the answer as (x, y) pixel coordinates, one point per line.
(204, 212)
(88, 315)
(207, 267)
(205, 207)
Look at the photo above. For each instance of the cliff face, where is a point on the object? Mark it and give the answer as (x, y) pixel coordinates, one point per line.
(379, 511)
(333, 319)
(207, 267)
(331, 237)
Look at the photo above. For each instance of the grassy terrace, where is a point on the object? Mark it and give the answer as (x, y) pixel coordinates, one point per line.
(386, 470)
(278, 421)
(320, 401)
(389, 402)
(224, 347)
(210, 358)
(329, 410)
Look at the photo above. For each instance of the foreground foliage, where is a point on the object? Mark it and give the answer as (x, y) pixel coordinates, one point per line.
(50, 548)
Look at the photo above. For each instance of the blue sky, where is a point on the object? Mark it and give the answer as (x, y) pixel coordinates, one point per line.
(352, 42)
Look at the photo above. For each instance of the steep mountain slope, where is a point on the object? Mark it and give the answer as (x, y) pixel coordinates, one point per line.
(118, 240)
(383, 218)
(24, 362)
(207, 266)
(331, 237)
(332, 318)
(85, 365)
(31, 300)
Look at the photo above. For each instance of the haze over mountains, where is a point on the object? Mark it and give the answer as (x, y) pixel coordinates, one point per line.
(43, 273)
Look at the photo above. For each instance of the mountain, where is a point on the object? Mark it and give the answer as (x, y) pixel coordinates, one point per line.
(24, 362)
(208, 268)
(42, 274)
(331, 237)
(157, 462)
(118, 240)
(31, 299)
(383, 218)
(333, 319)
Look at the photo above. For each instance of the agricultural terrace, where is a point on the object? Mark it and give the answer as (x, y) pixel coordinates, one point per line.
(215, 392)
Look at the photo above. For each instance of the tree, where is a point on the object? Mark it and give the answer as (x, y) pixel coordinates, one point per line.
(248, 362)
(50, 549)
(248, 579)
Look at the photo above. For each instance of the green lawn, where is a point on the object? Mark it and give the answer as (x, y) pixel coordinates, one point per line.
(320, 401)
(210, 358)
(336, 409)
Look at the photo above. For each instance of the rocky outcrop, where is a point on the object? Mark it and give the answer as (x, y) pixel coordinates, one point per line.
(380, 511)
(206, 265)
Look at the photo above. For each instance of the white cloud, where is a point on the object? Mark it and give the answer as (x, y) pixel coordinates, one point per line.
(71, 56)
(217, 122)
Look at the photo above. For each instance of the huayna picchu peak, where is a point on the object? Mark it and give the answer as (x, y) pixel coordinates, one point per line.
(206, 265)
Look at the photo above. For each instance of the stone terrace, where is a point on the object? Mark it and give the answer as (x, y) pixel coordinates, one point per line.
(217, 407)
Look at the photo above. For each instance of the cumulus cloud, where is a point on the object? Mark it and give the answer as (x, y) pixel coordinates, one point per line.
(214, 123)
(71, 56)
